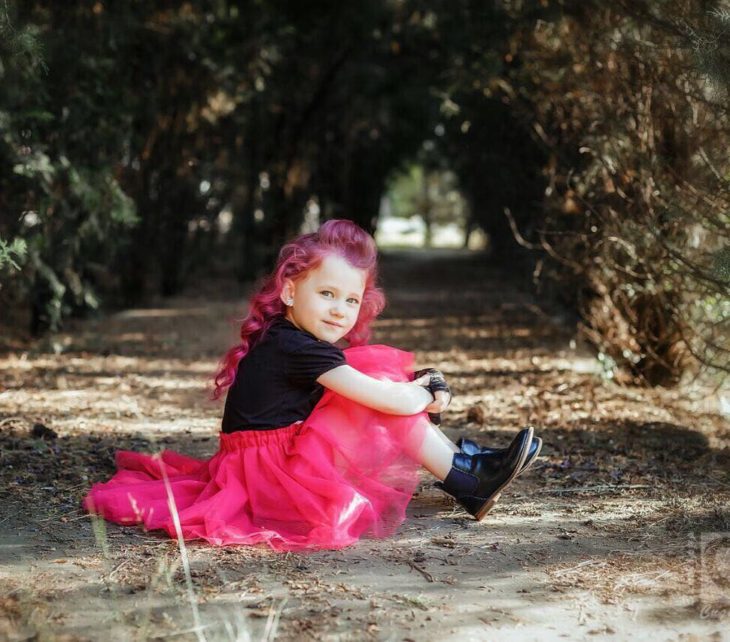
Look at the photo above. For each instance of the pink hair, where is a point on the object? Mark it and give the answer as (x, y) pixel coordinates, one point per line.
(340, 237)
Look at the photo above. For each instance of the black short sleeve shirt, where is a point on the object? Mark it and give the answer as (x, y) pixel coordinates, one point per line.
(276, 382)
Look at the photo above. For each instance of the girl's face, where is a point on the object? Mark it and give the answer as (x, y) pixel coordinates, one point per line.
(327, 300)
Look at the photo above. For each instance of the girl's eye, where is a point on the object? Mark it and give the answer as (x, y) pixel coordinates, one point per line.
(326, 293)
(355, 301)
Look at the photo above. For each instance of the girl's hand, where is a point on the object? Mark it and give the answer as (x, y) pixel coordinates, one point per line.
(441, 403)
(442, 398)
(435, 382)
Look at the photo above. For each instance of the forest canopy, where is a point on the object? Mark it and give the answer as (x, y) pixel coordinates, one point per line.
(142, 142)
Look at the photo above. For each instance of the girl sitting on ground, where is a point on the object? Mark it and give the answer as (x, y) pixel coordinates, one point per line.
(319, 445)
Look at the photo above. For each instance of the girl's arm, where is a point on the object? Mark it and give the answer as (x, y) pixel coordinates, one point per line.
(390, 397)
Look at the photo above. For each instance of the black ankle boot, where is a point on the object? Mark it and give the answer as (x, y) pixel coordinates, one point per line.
(469, 447)
(476, 481)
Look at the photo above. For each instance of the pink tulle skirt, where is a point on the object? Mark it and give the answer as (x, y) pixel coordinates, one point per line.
(343, 473)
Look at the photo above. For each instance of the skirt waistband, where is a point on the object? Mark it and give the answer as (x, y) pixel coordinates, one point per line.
(233, 441)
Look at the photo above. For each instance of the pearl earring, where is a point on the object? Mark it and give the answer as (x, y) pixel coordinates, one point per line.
(290, 302)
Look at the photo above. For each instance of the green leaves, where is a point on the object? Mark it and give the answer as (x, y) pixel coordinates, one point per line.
(721, 264)
(12, 254)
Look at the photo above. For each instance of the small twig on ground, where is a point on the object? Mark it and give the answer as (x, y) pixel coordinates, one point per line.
(581, 566)
(173, 634)
(117, 568)
(603, 488)
(422, 571)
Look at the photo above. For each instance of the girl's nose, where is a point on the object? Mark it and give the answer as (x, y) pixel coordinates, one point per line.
(336, 309)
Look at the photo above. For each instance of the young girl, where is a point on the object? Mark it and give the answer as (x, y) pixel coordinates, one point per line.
(319, 446)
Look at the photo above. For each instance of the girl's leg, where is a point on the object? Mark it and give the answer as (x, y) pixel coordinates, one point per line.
(446, 440)
(436, 453)
(475, 481)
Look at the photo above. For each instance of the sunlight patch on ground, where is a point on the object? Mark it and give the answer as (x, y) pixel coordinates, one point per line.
(159, 313)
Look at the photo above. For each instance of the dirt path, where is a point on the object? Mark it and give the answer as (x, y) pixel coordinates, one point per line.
(620, 531)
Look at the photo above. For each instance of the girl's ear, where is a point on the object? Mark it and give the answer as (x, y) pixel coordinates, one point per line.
(287, 291)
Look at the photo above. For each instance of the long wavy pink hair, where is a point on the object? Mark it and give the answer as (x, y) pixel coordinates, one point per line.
(340, 237)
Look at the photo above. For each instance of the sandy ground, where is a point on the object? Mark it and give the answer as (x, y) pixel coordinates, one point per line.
(621, 530)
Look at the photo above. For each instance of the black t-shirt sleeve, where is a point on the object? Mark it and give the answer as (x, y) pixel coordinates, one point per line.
(311, 359)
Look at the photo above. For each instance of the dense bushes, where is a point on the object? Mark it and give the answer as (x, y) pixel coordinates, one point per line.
(636, 214)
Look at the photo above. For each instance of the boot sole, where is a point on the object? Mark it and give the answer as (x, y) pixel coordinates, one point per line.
(532, 459)
(489, 504)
